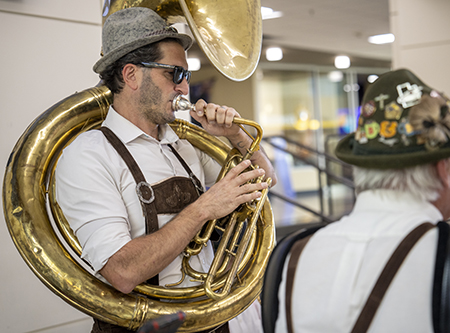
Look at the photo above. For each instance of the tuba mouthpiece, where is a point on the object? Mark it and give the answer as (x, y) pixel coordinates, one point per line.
(181, 103)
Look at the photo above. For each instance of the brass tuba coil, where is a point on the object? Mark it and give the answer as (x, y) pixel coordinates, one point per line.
(47, 244)
(28, 193)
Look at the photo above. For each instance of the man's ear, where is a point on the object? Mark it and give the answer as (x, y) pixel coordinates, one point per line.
(130, 76)
(442, 168)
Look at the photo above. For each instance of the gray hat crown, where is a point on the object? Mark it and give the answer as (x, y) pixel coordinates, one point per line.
(129, 29)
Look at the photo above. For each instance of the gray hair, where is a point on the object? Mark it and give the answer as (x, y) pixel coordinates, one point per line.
(421, 181)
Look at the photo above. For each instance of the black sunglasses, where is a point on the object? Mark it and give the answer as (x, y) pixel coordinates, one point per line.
(178, 72)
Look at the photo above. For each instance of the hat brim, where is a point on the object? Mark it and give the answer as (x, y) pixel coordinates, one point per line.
(344, 151)
(111, 57)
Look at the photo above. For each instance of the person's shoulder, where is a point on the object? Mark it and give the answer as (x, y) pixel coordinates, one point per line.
(92, 142)
(89, 139)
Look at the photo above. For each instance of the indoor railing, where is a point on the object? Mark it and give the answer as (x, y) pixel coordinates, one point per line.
(330, 172)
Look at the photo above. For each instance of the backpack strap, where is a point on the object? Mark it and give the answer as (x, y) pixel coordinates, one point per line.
(274, 272)
(370, 308)
(441, 285)
(296, 251)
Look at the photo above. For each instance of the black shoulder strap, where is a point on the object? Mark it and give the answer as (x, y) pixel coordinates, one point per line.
(273, 275)
(441, 286)
(296, 251)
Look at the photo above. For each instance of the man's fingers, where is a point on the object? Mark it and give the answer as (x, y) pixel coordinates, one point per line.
(234, 172)
(252, 187)
(243, 177)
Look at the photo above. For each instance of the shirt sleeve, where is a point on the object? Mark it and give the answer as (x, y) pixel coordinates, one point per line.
(210, 166)
(90, 197)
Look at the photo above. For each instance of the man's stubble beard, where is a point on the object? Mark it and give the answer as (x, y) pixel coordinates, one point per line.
(152, 107)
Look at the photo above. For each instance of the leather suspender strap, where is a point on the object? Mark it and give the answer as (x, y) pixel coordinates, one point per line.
(386, 277)
(297, 249)
(374, 300)
(151, 204)
(145, 192)
(192, 176)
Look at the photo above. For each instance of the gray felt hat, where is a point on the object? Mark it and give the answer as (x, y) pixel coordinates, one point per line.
(403, 123)
(129, 29)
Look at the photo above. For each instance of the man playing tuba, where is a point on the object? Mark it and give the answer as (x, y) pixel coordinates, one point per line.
(131, 191)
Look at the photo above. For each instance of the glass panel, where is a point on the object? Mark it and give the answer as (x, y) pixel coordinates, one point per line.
(301, 108)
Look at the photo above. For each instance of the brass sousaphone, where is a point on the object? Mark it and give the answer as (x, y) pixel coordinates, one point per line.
(230, 34)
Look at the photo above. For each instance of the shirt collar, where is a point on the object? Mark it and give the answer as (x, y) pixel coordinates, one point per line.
(396, 201)
(128, 132)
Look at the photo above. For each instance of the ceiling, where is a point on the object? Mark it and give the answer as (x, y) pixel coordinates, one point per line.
(313, 32)
(325, 28)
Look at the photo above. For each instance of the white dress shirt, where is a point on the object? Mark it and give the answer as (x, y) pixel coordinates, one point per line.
(341, 263)
(97, 194)
(97, 191)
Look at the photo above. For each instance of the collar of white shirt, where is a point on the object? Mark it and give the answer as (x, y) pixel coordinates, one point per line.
(127, 131)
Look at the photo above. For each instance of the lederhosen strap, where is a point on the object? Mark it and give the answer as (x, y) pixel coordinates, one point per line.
(198, 185)
(145, 192)
(386, 277)
(368, 312)
(167, 197)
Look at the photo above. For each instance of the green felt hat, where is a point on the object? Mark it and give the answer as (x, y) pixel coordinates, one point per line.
(403, 123)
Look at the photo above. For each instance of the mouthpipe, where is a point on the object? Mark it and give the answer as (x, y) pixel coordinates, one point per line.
(181, 103)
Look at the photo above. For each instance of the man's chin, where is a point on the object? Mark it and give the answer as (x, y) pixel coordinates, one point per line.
(171, 118)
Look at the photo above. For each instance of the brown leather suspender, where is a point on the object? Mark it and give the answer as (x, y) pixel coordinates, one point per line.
(386, 277)
(368, 312)
(144, 191)
(168, 197)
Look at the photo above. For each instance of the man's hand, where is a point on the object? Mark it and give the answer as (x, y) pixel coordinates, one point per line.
(215, 119)
(231, 191)
(218, 120)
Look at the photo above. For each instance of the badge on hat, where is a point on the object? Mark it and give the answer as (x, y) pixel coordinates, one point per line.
(368, 109)
(372, 129)
(393, 111)
(408, 94)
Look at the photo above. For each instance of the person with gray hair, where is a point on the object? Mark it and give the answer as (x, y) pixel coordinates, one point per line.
(380, 268)
(133, 192)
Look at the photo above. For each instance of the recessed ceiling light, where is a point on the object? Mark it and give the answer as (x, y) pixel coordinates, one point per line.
(268, 13)
(274, 54)
(342, 62)
(382, 39)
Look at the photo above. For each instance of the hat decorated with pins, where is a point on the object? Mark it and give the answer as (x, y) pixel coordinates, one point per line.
(403, 123)
(129, 29)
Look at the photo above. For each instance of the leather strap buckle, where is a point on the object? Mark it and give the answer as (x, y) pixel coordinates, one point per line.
(143, 188)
